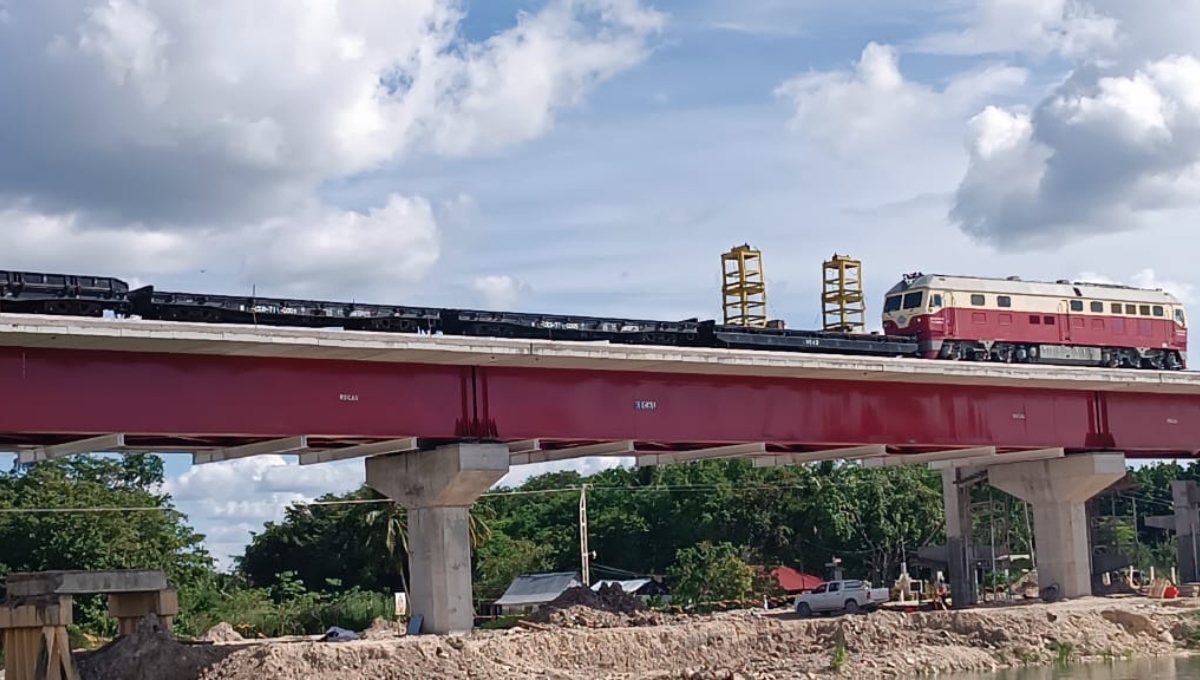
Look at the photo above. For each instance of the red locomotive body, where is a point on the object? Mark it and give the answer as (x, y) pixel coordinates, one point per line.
(1066, 323)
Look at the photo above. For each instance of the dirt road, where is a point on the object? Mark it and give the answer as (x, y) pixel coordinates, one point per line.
(747, 645)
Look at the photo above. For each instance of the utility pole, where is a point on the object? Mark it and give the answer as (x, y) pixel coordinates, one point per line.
(583, 537)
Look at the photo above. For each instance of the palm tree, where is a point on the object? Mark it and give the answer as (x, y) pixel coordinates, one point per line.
(391, 523)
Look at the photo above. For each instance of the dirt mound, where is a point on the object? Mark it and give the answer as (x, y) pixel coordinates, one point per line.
(609, 598)
(150, 653)
(222, 632)
(383, 629)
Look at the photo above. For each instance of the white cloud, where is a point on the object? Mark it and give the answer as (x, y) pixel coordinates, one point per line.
(1066, 27)
(875, 105)
(500, 292)
(1103, 154)
(1148, 279)
(211, 127)
(228, 500)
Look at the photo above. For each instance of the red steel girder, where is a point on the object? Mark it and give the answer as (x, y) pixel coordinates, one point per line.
(84, 392)
(48, 394)
(523, 403)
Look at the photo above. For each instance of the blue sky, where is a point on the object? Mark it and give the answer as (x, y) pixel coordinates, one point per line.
(587, 161)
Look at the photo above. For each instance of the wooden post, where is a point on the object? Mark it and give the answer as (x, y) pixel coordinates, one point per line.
(36, 646)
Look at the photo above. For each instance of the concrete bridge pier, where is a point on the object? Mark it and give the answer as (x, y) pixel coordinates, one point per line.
(956, 494)
(1056, 490)
(437, 489)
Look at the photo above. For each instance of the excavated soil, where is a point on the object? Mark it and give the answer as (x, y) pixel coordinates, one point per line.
(609, 606)
(747, 645)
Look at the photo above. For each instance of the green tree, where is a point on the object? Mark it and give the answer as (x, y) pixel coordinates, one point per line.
(125, 523)
(711, 573)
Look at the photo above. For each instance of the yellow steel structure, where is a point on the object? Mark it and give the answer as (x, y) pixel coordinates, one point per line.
(842, 298)
(745, 288)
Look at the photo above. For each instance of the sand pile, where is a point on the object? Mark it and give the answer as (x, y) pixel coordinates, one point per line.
(151, 653)
(222, 632)
(747, 645)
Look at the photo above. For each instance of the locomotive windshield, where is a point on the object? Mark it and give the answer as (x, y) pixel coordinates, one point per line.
(914, 300)
(892, 304)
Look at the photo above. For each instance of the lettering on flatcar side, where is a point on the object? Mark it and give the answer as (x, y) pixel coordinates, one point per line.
(1018, 416)
(645, 405)
(347, 397)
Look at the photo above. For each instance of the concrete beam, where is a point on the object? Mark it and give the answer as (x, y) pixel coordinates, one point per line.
(102, 444)
(714, 453)
(274, 446)
(450, 476)
(360, 451)
(617, 448)
(998, 459)
(30, 584)
(894, 459)
(847, 453)
(437, 488)
(1056, 490)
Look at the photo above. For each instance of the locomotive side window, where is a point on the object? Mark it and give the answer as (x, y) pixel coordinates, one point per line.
(936, 302)
(892, 304)
(1004, 301)
(1098, 307)
(1116, 308)
(914, 300)
(1158, 310)
(1131, 309)
(1179, 316)
(1076, 305)
(1144, 310)
(977, 300)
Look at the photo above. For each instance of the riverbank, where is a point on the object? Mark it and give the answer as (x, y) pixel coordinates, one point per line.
(585, 644)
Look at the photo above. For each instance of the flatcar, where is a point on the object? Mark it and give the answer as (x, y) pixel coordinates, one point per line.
(1015, 321)
(66, 294)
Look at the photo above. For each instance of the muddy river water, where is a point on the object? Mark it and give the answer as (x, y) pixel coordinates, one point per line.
(1144, 669)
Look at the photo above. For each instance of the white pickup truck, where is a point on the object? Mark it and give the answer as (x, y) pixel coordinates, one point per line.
(841, 596)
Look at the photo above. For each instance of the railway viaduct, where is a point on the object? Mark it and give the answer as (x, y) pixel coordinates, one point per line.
(441, 419)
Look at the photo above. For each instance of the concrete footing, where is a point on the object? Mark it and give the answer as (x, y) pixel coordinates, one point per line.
(437, 489)
(1056, 491)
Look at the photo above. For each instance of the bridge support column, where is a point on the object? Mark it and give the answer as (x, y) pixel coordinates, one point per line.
(1057, 489)
(437, 489)
(130, 608)
(956, 496)
(1185, 522)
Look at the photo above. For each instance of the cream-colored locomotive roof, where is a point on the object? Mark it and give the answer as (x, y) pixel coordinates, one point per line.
(1077, 289)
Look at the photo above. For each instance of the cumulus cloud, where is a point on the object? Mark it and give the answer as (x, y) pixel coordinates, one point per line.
(198, 122)
(499, 292)
(1115, 143)
(874, 104)
(227, 501)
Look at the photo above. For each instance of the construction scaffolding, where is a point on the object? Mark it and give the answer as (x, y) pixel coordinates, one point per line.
(744, 287)
(842, 298)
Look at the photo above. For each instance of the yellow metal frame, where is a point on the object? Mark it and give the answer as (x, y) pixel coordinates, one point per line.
(842, 298)
(745, 288)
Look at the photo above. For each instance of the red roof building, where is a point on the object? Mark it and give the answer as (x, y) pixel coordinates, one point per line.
(793, 581)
